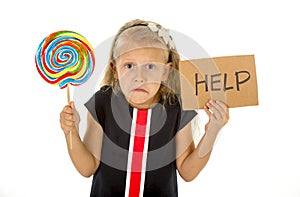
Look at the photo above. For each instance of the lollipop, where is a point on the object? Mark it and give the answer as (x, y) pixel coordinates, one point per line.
(64, 58)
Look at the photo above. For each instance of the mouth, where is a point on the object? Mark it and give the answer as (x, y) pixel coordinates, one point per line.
(138, 90)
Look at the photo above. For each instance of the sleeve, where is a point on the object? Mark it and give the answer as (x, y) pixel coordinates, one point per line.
(91, 107)
(96, 104)
(185, 117)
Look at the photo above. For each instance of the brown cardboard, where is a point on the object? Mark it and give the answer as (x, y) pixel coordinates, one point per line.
(231, 79)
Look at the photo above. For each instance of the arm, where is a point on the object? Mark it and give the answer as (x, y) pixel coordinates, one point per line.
(85, 162)
(190, 160)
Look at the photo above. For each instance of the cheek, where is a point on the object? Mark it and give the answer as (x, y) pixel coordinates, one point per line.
(123, 76)
(155, 77)
(153, 87)
(124, 84)
(119, 72)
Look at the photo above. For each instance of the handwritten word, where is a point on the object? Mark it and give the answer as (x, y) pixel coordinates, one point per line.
(213, 82)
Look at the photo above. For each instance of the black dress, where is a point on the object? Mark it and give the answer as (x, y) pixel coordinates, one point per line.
(138, 155)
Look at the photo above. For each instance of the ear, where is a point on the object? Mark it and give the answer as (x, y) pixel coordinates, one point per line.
(166, 71)
(112, 65)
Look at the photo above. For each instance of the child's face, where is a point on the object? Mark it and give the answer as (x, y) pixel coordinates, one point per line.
(140, 73)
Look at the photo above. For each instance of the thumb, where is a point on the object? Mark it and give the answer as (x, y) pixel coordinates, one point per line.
(207, 110)
(76, 115)
(72, 105)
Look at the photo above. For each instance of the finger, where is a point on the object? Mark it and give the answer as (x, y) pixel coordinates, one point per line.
(72, 105)
(223, 105)
(68, 109)
(214, 109)
(66, 116)
(210, 112)
(74, 111)
(226, 109)
(207, 110)
(69, 123)
(67, 120)
(220, 109)
(67, 129)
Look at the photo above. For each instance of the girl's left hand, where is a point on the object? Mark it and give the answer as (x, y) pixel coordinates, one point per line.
(218, 115)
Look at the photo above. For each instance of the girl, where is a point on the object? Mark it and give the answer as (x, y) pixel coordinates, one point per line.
(137, 135)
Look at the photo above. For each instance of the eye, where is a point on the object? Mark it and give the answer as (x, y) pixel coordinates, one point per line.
(128, 66)
(150, 66)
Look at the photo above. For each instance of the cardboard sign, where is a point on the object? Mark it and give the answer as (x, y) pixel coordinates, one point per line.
(230, 79)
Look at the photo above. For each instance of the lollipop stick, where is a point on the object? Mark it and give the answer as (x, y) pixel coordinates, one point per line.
(68, 95)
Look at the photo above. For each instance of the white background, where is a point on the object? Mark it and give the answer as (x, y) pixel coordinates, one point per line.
(258, 153)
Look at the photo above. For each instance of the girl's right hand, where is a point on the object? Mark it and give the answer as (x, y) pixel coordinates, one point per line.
(69, 119)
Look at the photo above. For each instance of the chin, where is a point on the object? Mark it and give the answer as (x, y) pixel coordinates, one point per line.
(139, 97)
(138, 100)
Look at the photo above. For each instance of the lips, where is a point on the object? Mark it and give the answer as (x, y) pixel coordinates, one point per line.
(139, 90)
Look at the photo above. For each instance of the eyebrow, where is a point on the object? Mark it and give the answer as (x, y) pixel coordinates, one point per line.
(148, 61)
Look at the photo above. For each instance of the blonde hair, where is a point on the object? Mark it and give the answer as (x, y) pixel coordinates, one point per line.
(136, 34)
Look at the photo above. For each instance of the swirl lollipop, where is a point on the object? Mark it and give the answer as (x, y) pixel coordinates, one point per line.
(63, 58)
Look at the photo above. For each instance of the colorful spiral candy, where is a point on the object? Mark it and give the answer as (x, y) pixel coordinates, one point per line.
(65, 57)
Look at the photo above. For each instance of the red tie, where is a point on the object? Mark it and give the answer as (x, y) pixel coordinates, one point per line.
(137, 156)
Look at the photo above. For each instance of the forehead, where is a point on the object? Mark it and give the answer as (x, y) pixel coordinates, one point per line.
(144, 55)
(135, 38)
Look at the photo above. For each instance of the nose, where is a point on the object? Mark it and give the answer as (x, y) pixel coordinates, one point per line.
(139, 75)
